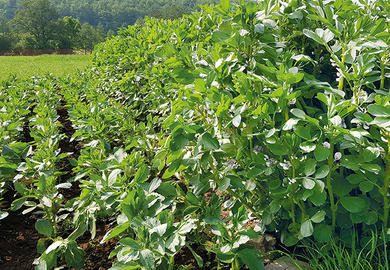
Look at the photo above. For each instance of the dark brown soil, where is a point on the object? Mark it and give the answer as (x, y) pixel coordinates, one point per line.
(26, 129)
(185, 257)
(67, 146)
(18, 239)
(97, 254)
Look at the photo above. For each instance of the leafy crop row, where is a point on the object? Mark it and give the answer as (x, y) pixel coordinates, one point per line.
(203, 133)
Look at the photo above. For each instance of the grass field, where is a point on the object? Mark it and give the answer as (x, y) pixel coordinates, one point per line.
(27, 66)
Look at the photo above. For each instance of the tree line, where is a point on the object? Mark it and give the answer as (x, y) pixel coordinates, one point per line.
(77, 24)
(112, 14)
(37, 25)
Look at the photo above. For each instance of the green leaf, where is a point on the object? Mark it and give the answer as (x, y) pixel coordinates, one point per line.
(259, 28)
(133, 244)
(41, 246)
(353, 204)
(322, 172)
(303, 132)
(375, 168)
(308, 183)
(74, 256)
(115, 231)
(366, 186)
(236, 121)
(44, 227)
(235, 181)
(79, 231)
(250, 257)
(322, 233)
(225, 4)
(182, 75)
(3, 215)
(307, 228)
(209, 141)
(327, 35)
(379, 110)
(290, 124)
(318, 217)
(178, 142)
(321, 153)
(198, 259)
(289, 239)
(318, 197)
(355, 178)
(341, 186)
(371, 218)
(278, 149)
(379, 27)
(298, 113)
(125, 266)
(219, 36)
(313, 35)
(113, 175)
(18, 203)
(225, 184)
(310, 167)
(370, 154)
(142, 174)
(307, 147)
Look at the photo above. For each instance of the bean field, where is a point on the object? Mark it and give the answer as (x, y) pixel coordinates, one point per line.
(214, 141)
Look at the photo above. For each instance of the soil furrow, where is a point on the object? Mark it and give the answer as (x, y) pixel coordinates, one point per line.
(67, 146)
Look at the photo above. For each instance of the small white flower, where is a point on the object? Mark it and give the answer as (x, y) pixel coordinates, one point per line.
(270, 162)
(292, 102)
(337, 156)
(326, 145)
(257, 149)
(232, 164)
(286, 165)
(343, 124)
(292, 181)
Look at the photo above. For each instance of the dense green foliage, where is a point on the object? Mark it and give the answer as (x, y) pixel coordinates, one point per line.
(274, 114)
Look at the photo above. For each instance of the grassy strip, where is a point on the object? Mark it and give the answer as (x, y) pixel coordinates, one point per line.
(334, 255)
(26, 66)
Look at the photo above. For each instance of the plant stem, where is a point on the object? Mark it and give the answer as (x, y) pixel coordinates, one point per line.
(341, 82)
(291, 198)
(250, 208)
(333, 207)
(235, 264)
(382, 85)
(303, 215)
(293, 212)
(171, 263)
(386, 187)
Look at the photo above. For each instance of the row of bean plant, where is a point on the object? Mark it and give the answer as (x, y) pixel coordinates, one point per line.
(198, 135)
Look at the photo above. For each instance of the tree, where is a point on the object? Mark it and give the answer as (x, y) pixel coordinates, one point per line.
(168, 12)
(5, 34)
(101, 33)
(67, 32)
(87, 37)
(38, 18)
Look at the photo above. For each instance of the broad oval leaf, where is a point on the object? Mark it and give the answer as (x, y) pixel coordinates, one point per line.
(251, 258)
(209, 141)
(44, 227)
(353, 204)
(307, 228)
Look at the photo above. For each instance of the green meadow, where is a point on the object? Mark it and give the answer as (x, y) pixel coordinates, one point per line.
(27, 66)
